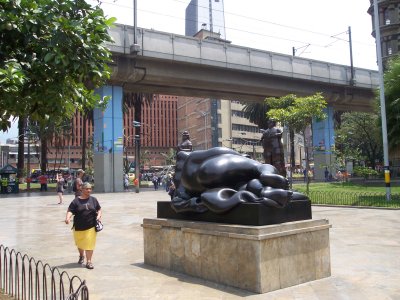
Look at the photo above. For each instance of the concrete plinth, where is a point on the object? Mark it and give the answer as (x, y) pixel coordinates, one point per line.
(255, 258)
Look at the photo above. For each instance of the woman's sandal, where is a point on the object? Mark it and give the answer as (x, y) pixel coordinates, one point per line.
(89, 265)
(81, 260)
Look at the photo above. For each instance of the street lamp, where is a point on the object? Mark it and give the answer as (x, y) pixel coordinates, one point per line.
(28, 184)
(137, 124)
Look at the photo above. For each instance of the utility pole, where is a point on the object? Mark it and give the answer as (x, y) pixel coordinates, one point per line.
(382, 100)
(351, 58)
(210, 14)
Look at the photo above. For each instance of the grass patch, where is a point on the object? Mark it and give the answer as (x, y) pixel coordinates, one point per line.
(344, 187)
(350, 194)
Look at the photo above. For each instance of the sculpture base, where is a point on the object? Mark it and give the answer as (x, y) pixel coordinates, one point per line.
(244, 214)
(255, 258)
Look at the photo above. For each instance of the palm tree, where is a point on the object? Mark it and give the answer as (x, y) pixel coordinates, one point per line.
(257, 113)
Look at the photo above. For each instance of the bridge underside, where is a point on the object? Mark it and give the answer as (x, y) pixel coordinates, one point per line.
(138, 74)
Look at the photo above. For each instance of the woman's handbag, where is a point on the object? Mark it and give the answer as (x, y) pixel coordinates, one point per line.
(99, 226)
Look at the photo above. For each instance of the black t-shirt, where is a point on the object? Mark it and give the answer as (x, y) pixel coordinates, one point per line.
(85, 212)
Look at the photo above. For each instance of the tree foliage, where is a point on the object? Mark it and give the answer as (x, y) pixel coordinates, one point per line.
(392, 101)
(52, 56)
(257, 113)
(297, 113)
(359, 138)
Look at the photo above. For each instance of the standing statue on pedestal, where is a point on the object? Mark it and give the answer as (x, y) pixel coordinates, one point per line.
(273, 147)
(186, 144)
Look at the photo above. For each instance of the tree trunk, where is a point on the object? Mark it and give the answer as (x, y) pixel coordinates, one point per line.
(292, 158)
(307, 163)
(43, 154)
(84, 126)
(21, 147)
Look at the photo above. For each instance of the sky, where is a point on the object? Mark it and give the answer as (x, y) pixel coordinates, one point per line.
(318, 29)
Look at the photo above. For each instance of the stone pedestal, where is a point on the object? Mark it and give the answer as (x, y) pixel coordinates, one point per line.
(255, 258)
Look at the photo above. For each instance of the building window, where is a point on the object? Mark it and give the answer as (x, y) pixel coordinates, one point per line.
(386, 16)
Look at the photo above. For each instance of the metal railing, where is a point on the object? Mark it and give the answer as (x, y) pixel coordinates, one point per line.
(22, 277)
(357, 199)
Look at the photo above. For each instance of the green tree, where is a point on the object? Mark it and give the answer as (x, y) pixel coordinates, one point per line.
(359, 137)
(392, 101)
(52, 56)
(299, 114)
(283, 103)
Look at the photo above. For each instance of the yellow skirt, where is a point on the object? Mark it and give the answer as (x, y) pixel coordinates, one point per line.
(85, 239)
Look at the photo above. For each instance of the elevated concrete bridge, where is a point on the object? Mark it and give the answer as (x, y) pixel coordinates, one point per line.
(166, 63)
(179, 65)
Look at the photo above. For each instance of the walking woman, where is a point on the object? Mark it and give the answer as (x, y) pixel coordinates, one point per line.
(60, 188)
(86, 210)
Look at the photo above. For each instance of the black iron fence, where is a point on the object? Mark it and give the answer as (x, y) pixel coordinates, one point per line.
(358, 199)
(22, 277)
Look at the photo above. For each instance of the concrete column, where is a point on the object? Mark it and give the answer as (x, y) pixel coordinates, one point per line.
(323, 136)
(108, 142)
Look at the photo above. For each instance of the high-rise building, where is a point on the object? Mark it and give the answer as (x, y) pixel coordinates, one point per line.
(158, 136)
(389, 26)
(205, 14)
(218, 123)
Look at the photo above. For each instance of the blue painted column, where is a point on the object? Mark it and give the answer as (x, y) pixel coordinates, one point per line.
(323, 136)
(108, 142)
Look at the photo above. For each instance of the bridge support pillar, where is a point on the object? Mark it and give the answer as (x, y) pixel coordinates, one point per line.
(108, 142)
(323, 136)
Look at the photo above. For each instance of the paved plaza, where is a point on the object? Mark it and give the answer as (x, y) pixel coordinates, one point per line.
(365, 251)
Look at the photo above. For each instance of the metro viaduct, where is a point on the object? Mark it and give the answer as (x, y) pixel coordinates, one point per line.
(164, 63)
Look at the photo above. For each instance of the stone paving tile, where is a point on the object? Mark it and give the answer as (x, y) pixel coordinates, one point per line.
(365, 251)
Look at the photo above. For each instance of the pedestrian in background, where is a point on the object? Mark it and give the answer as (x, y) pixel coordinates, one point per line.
(126, 182)
(155, 182)
(60, 188)
(171, 190)
(77, 185)
(86, 211)
(43, 182)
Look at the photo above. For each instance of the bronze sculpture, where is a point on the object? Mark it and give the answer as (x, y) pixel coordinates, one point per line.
(273, 147)
(186, 144)
(219, 179)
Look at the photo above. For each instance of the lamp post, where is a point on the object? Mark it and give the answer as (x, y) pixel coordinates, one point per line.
(137, 124)
(28, 184)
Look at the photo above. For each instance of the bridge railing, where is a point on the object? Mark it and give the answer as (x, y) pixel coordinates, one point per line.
(22, 277)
